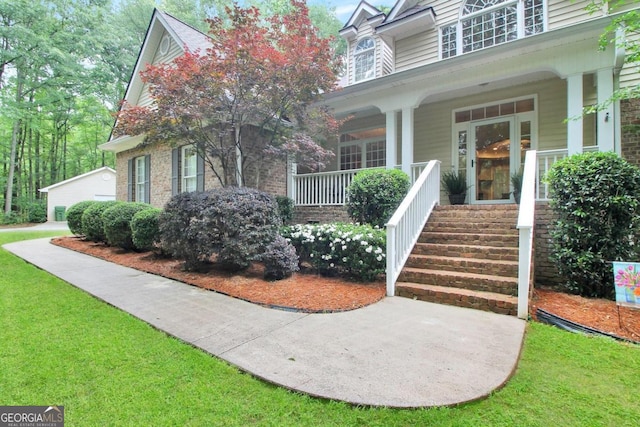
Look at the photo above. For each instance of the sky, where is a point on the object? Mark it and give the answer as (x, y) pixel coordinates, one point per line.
(344, 9)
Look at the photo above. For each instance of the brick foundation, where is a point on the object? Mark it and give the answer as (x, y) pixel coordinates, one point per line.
(320, 214)
(630, 123)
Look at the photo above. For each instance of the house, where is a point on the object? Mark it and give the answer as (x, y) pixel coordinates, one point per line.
(99, 184)
(155, 172)
(472, 84)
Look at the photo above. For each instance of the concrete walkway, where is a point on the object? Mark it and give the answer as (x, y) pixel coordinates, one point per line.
(397, 353)
(45, 226)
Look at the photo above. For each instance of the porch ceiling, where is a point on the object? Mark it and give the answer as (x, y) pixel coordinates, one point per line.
(555, 54)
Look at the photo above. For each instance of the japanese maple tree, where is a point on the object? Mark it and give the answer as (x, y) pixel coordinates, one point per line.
(252, 94)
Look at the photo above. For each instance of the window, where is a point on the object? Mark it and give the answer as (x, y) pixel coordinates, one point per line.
(363, 149)
(138, 174)
(187, 170)
(487, 23)
(364, 59)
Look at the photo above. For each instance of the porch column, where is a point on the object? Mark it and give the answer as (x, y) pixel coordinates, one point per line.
(392, 139)
(292, 168)
(606, 128)
(574, 113)
(407, 139)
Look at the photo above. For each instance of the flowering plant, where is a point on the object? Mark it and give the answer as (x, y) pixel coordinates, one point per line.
(358, 251)
(627, 277)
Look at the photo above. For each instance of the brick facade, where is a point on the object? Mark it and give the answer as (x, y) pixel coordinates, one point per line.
(272, 179)
(630, 123)
(546, 272)
(320, 214)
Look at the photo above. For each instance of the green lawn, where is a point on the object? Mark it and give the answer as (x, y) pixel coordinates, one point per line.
(60, 346)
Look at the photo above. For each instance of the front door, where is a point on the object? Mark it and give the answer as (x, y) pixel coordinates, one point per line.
(492, 148)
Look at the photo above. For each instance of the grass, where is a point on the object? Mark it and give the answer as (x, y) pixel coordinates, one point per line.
(60, 346)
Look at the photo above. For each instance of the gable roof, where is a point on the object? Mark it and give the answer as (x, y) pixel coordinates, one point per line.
(183, 35)
(364, 11)
(77, 178)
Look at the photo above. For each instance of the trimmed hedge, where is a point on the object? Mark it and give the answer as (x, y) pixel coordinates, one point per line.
(375, 194)
(145, 232)
(597, 199)
(357, 251)
(280, 259)
(74, 216)
(92, 224)
(117, 223)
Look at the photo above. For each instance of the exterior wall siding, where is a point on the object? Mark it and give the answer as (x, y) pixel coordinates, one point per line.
(174, 51)
(564, 13)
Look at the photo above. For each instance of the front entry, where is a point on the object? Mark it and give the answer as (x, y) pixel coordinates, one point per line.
(490, 158)
(491, 143)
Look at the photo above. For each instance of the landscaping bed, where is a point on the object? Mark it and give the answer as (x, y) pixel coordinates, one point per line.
(303, 291)
(314, 293)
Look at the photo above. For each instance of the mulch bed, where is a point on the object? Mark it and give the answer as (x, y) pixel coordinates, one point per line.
(314, 293)
(304, 292)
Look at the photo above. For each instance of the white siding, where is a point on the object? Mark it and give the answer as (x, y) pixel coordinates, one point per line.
(562, 13)
(97, 186)
(175, 51)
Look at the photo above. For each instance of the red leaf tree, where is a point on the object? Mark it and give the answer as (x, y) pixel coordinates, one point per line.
(262, 75)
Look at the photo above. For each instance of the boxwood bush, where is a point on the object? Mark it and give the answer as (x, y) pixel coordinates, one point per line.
(596, 197)
(375, 194)
(144, 229)
(92, 224)
(236, 224)
(117, 223)
(74, 216)
(356, 251)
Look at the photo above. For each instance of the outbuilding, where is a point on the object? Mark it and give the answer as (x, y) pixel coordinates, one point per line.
(99, 184)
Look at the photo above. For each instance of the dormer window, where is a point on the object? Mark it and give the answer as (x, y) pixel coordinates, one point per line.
(364, 59)
(486, 23)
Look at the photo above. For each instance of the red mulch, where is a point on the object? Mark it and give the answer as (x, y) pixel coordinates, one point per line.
(600, 314)
(313, 293)
(305, 292)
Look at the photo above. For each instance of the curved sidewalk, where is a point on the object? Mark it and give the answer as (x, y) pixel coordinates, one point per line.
(397, 353)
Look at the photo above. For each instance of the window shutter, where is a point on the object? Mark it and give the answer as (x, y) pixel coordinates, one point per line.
(199, 173)
(175, 171)
(147, 178)
(131, 180)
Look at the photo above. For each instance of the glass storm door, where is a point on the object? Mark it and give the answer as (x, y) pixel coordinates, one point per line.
(491, 160)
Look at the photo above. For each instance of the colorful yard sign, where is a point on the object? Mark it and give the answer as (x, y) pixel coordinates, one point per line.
(626, 276)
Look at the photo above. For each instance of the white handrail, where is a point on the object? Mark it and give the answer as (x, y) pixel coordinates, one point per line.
(406, 224)
(525, 225)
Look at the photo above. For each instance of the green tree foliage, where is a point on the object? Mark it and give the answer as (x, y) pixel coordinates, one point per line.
(596, 197)
(374, 194)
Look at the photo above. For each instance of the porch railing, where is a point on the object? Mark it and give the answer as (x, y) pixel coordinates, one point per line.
(546, 159)
(404, 227)
(526, 216)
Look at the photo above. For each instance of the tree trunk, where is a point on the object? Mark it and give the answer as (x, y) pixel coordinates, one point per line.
(8, 198)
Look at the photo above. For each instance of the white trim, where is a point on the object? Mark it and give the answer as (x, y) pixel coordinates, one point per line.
(75, 178)
(182, 166)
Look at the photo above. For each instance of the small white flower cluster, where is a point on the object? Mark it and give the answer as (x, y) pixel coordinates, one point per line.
(352, 248)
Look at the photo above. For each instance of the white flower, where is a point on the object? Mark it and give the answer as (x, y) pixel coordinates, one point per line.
(369, 249)
(344, 259)
(344, 248)
(331, 265)
(378, 250)
(379, 257)
(310, 255)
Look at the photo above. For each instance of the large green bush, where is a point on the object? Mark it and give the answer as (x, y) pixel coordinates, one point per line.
(92, 224)
(36, 212)
(236, 224)
(375, 194)
(74, 216)
(144, 229)
(356, 251)
(117, 223)
(596, 197)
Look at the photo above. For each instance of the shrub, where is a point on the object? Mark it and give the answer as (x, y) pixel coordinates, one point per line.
(92, 224)
(117, 223)
(36, 212)
(11, 218)
(235, 223)
(374, 194)
(596, 199)
(357, 251)
(280, 259)
(144, 229)
(74, 216)
(285, 208)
